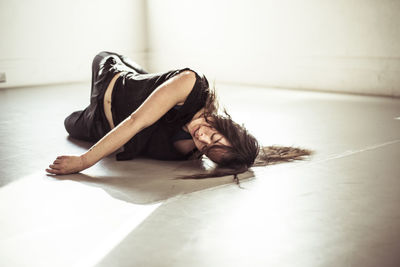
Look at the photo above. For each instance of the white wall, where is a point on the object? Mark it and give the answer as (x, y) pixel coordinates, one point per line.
(337, 45)
(341, 45)
(48, 41)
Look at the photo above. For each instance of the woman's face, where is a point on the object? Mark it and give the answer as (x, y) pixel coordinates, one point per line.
(204, 134)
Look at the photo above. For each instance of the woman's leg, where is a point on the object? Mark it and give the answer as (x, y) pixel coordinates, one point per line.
(77, 126)
(129, 63)
(133, 64)
(97, 64)
(86, 124)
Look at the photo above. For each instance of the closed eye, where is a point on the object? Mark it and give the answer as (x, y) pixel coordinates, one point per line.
(213, 137)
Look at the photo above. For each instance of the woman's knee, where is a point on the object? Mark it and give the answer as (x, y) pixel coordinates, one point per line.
(76, 126)
(68, 124)
(72, 124)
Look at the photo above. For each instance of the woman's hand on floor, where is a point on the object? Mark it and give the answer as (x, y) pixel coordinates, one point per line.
(67, 165)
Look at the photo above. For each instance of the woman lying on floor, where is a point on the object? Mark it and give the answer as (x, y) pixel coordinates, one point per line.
(166, 116)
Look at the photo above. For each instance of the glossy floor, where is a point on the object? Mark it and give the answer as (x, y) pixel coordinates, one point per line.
(338, 208)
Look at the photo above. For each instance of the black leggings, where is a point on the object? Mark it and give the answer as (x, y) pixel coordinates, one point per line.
(91, 123)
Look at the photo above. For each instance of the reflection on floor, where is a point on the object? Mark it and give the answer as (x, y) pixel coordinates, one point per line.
(338, 208)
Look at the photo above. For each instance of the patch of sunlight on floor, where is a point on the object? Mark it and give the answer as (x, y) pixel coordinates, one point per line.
(61, 222)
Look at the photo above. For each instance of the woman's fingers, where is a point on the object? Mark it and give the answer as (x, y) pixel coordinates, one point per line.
(53, 171)
(50, 171)
(66, 165)
(55, 166)
(59, 160)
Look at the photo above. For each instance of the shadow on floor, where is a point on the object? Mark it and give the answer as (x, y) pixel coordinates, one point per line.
(82, 144)
(147, 181)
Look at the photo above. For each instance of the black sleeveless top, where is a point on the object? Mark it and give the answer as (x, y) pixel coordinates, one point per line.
(156, 141)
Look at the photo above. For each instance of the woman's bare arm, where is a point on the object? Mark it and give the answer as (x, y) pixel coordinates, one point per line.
(172, 92)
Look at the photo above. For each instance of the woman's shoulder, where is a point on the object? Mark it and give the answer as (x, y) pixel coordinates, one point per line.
(188, 71)
(200, 86)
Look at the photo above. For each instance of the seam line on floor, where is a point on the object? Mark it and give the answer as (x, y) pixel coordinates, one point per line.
(352, 152)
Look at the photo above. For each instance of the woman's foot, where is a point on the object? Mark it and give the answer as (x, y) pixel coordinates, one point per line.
(130, 63)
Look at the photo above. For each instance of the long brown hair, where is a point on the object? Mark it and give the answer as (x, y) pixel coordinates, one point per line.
(244, 151)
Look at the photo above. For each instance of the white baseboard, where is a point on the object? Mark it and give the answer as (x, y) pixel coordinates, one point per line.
(358, 75)
(21, 72)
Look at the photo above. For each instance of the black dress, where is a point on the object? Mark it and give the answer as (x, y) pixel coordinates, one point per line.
(130, 90)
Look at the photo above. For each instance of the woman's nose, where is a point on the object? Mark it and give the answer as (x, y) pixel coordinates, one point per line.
(204, 138)
(204, 135)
